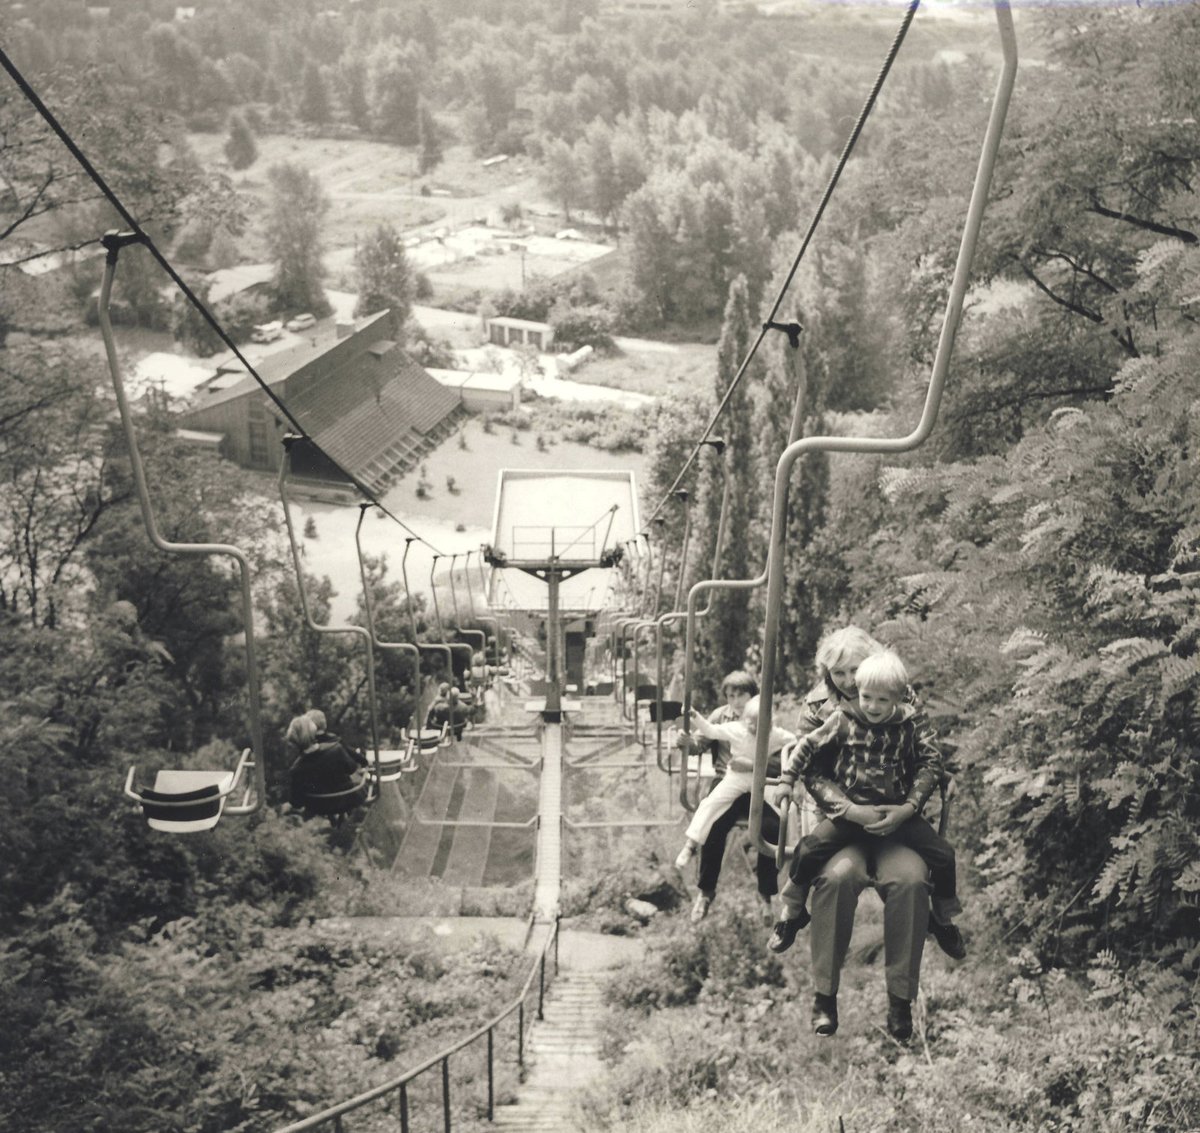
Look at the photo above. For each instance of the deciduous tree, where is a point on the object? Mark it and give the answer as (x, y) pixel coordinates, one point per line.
(293, 234)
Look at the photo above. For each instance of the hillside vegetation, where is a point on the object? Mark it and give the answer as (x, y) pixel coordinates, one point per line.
(1036, 564)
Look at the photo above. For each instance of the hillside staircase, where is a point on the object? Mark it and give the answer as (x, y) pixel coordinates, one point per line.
(563, 1048)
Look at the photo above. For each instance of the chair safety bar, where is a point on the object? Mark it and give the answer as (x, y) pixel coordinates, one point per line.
(113, 243)
(933, 397)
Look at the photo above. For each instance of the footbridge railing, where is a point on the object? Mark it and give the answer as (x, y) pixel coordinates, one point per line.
(394, 1092)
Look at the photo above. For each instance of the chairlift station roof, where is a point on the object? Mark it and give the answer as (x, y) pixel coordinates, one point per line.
(565, 514)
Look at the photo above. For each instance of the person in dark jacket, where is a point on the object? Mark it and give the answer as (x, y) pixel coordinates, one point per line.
(324, 778)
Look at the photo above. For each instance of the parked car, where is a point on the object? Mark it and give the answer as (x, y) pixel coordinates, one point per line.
(267, 332)
(302, 322)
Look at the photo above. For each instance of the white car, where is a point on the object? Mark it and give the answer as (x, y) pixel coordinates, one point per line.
(266, 332)
(302, 322)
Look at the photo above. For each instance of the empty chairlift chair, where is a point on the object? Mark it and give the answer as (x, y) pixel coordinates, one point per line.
(184, 801)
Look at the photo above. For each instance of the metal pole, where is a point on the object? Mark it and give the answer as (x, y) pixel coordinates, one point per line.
(541, 986)
(369, 606)
(491, 1076)
(113, 242)
(412, 613)
(933, 397)
(446, 1092)
(354, 631)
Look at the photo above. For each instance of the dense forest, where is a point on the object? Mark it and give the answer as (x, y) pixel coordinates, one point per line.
(1037, 564)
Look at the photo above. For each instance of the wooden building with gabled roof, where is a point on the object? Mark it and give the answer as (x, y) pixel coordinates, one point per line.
(367, 405)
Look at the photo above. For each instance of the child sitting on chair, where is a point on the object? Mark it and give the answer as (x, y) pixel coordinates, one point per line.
(741, 736)
(871, 767)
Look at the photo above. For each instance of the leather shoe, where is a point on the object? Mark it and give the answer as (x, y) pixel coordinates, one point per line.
(899, 1019)
(700, 907)
(784, 932)
(824, 1014)
(949, 939)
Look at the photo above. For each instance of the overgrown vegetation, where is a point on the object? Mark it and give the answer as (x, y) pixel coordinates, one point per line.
(1037, 566)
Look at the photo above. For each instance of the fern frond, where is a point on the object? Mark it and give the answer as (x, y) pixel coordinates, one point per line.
(1023, 640)
(1177, 675)
(1127, 653)
(902, 483)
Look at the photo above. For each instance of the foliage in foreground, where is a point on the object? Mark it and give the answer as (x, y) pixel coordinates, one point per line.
(721, 1039)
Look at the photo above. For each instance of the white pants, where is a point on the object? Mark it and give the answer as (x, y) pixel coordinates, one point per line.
(725, 794)
(717, 802)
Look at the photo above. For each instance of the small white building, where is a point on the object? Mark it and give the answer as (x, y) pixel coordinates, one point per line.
(482, 391)
(505, 331)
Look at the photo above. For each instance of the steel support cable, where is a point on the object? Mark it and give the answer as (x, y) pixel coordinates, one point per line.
(929, 412)
(147, 241)
(826, 196)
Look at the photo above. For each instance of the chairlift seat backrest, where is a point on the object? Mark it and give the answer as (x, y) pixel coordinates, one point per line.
(671, 710)
(184, 801)
(393, 763)
(327, 803)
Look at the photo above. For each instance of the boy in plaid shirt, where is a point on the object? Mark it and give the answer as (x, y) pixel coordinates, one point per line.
(871, 768)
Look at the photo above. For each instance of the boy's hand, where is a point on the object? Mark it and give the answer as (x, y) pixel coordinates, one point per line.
(782, 794)
(892, 817)
(862, 815)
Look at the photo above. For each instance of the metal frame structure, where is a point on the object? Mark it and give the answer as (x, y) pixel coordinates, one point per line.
(914, 439)
(290, 440)
(255, 794)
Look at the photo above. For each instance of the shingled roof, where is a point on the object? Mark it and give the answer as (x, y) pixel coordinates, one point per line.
(375, 397)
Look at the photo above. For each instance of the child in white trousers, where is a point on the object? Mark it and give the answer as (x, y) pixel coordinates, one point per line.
(742, 738)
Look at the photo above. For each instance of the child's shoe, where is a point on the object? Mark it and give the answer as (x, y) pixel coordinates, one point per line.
(784, 932)
(700, 907)
(949, 938)
(824, 1015)
(899, 1019)
(685, 855)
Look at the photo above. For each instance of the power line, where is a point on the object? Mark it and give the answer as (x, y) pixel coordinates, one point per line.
(145, 239)
(792, 330)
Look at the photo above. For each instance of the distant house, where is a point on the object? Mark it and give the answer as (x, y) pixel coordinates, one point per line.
(482, 392)
(505, 331)
(370, 408)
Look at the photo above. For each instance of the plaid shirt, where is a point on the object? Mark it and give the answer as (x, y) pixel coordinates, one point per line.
(849, 760)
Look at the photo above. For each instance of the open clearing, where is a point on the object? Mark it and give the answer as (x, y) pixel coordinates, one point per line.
(369, 183)
(436, 519)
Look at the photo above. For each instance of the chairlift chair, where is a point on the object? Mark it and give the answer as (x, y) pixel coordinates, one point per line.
(184, 801)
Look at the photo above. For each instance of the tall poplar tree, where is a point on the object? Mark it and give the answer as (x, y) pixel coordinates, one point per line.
(294, 238)
(727, 632)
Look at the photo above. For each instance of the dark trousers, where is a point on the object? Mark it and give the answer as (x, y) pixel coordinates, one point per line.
(835, 834)
(712, 853)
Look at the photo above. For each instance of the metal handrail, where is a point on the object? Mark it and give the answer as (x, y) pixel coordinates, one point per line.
(933, 397)
(538, 968)
(113, 242)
